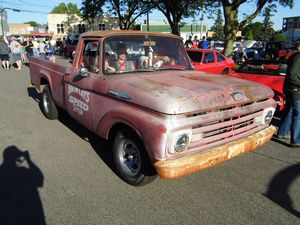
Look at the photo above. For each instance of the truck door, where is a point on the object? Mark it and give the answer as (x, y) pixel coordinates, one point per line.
(79, 83)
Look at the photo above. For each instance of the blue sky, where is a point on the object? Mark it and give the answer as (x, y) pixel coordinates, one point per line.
(39, 10)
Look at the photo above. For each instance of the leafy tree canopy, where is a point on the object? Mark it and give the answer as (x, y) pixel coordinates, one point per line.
(175, 10)
(62, 8)
(279, 37)
(256, 30)
(91, 9)
(32, 23)
(218, 27)
(232, 23)
(249, 35)
(128, 11)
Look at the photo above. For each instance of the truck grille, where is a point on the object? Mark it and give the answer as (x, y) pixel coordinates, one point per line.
(218, 126)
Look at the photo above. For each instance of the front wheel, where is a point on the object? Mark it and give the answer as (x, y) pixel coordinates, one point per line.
(130, 159)
(47, 104)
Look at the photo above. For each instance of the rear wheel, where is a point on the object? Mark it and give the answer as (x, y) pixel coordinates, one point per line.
(225, 71)
(47, 104)
(131, 160)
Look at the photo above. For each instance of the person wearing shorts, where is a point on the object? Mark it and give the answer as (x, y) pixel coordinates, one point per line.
(15, 48)
(4, 53)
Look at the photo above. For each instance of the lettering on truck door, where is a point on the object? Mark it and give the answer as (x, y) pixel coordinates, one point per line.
(79, 84)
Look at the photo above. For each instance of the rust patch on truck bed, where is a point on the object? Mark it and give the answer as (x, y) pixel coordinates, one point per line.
(175, 168)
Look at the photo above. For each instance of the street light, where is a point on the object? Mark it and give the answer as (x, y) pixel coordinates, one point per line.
(201, 24)
(2, 10)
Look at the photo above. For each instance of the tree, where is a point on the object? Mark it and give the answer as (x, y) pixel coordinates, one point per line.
(218, 27)
(91, 9)
(32, 23)
(267, 27)
(232, 24)
(128, 10)
(279, 37)
(249, 35)
(62, 8)
(175, 10)
(256, 29)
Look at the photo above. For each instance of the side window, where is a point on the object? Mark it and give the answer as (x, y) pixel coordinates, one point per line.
(195, 56)
(90, 56)
(220, 58)
(209, 57)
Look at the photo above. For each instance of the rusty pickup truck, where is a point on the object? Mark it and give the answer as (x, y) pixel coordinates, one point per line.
(139, 90)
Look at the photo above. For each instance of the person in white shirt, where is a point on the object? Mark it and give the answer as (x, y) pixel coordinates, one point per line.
(15, 48)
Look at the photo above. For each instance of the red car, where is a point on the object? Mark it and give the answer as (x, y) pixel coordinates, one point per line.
(71, 47)
(267, 73)
(210, 61)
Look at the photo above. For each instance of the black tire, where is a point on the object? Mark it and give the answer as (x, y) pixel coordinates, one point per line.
(131, 160)
(47, 104)
(225, 71)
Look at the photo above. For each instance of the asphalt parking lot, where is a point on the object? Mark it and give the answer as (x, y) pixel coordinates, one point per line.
(69, 178)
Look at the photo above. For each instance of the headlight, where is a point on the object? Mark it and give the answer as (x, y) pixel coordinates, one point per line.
(181, 142)
(268, 116)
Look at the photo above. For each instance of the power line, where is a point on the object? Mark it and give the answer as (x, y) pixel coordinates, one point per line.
(46, 6)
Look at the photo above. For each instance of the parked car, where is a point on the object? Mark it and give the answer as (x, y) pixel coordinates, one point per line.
(160, 116)
(71, 47)
(210, 61)
(269, 73)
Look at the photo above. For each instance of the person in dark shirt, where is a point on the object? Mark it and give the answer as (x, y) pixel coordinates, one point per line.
(29, 48)
(189, 42)
(4, 53)
(290, 121)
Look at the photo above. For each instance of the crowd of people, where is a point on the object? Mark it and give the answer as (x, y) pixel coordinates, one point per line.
(196, 43)
(15, 51)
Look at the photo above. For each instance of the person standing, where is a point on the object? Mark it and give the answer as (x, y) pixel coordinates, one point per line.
(15, 48)
(189, 42)
(29, 48)
(195, 42)
(35, 47)
(204, 44)
(290, 121)
(42, 49)
(4, 53)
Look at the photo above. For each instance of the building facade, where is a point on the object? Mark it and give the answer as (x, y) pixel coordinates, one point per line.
(62, 25)
(185, 29)
(291, 28)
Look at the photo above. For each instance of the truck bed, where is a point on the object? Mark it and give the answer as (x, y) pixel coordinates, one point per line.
(41, 69)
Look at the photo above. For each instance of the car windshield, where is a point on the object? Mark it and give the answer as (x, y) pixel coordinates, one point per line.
(133, 53)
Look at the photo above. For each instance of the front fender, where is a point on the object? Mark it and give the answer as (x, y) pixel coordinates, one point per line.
(149, 126)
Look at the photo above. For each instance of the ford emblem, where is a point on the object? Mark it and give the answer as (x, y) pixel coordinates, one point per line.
(238, 96)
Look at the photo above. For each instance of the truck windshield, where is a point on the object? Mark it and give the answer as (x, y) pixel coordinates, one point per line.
(134, 53)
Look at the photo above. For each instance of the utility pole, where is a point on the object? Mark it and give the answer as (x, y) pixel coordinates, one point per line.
(2, 11)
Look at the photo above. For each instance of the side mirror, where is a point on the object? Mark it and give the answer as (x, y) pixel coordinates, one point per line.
(83, 72)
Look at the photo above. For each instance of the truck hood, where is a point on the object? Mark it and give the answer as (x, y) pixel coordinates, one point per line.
(177, 92)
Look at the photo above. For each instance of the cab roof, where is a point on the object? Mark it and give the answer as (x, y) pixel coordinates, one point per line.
(124, 32)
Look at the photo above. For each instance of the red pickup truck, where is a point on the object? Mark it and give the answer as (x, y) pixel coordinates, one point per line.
(139, 90)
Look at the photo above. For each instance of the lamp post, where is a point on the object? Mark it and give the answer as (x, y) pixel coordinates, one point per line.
(2, 10)
(201, 24)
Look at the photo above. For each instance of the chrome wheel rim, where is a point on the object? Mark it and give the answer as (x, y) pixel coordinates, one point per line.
(130, 158)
